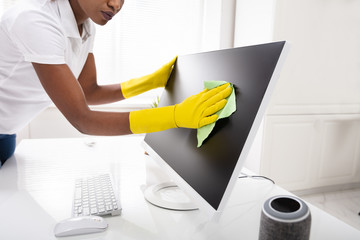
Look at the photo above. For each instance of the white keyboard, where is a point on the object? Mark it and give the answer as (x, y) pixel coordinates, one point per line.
(95, 196)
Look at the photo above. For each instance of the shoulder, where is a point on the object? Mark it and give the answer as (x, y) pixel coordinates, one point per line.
(30, 15)
(36, 31)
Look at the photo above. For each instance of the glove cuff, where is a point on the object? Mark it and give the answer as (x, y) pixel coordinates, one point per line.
(136, 86)
(152, 120)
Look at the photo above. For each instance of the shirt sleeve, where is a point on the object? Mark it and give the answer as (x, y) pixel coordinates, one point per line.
(39, 38)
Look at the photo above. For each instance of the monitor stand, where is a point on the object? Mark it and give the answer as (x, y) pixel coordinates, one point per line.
(168, 195)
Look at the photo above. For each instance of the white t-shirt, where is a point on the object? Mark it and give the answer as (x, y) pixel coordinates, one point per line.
(41, 31)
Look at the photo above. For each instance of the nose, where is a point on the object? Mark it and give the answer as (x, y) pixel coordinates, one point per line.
(115, 5)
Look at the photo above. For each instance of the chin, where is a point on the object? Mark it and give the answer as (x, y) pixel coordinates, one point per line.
(101, 22)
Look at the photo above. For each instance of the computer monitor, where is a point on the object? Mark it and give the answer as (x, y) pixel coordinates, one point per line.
(208, 173)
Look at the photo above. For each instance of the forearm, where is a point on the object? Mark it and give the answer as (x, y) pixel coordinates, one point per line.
(97, 95)
(68, 96)
(102, 123)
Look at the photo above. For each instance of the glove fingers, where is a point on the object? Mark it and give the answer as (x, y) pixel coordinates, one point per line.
(160, 77)
(168, 66)
(214, 91)
(203, 92)
(214, 108)
(200, 109)
(219, 96)
(208, 120)
(172, 61)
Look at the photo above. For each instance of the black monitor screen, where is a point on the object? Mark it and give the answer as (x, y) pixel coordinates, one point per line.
(209, 168)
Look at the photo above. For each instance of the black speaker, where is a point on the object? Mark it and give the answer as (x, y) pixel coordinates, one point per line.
(285, 217)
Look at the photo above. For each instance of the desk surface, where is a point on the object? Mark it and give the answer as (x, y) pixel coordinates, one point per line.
(36, 188)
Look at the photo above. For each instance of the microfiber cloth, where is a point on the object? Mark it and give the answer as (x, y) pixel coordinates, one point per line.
(230, 107)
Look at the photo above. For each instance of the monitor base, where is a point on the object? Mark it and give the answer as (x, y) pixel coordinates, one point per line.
(168, 195)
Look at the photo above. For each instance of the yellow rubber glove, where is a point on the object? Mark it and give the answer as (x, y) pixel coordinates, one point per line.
(194, 112)
(156, 79)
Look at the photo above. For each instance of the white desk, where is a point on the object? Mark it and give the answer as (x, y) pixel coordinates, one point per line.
(36, 187)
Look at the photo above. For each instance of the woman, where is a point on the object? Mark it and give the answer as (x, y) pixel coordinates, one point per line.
(46, 56)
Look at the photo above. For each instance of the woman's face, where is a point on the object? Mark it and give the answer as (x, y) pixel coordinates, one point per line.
(99, 11)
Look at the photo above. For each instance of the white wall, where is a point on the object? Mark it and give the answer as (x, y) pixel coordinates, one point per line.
(312, 128)
(254, 22)
(311, 132)
(322, 70)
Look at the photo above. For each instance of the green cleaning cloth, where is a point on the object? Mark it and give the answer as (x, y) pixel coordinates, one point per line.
(229, 108)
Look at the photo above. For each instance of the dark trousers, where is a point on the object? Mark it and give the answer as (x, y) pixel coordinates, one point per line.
(7, 146)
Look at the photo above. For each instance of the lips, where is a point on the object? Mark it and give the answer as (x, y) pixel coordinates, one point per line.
(107, 15)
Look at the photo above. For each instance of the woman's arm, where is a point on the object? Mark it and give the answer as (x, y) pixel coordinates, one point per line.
(72, 98)
(94, 93)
